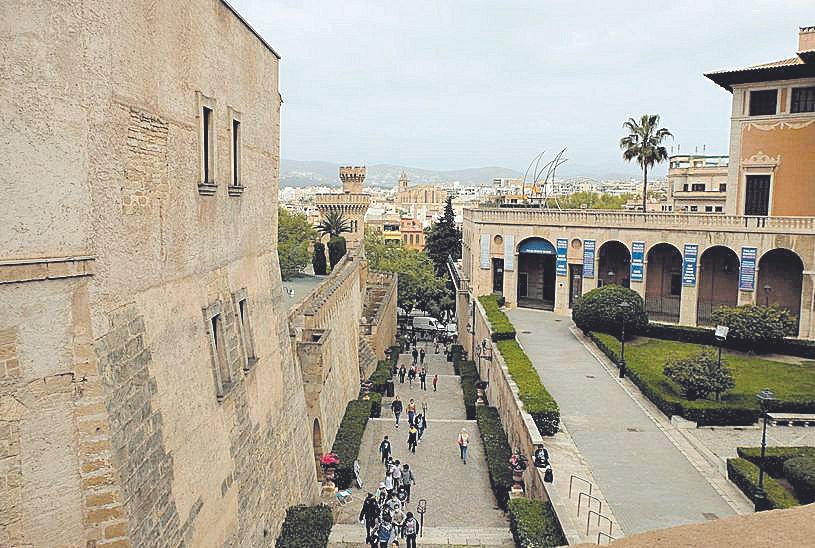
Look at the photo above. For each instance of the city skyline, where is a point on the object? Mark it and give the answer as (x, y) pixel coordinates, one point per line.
(534, 77)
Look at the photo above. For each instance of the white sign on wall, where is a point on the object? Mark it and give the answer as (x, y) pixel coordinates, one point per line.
(509, 252)
(485, 251)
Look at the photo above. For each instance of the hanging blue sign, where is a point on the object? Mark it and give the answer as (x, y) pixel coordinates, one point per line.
(689, 265)
(637, 258)
(537, 246)
(588, 258)
(560, 262)
(747, 273)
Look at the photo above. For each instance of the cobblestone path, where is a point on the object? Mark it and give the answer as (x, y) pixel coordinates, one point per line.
(459, 498)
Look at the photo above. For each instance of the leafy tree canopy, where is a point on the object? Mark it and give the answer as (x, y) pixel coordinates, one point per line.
(443, 239)
(294, 234)
(644, 143)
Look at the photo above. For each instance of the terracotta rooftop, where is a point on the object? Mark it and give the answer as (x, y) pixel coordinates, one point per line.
(801, 66)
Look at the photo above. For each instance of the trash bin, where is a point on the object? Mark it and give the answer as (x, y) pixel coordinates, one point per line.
(389, 389)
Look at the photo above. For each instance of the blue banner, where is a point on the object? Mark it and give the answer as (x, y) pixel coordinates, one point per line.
(689, 261)
(637, 258)
(747, 273)
(588, 258)
(560, 262)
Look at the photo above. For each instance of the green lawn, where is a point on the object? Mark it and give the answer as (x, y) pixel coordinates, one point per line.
(789, 381)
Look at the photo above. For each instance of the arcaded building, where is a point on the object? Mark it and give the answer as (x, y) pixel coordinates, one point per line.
(149, 390)
(759, 249)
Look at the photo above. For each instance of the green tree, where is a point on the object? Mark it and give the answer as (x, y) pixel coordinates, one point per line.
(700, 375)
(333, 224)
(443, 240)
(592, 200)
(294, 234)
(336, 250)
(418, 284)
(603, 310)
(318, 262)
(644, 143)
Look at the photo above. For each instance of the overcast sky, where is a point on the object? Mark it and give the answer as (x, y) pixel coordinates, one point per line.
(455, 84)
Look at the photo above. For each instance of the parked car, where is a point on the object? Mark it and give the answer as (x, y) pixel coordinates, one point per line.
(425, 325)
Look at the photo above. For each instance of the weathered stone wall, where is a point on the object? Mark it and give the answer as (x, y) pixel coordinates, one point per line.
(379, 312)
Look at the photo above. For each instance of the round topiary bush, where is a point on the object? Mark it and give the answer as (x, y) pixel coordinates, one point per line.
(800, 472)
(755, 326)
(602, 310)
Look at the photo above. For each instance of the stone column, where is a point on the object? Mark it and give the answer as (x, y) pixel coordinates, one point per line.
(689, 304)
(805, 327)
(511, 285)
(562, 294)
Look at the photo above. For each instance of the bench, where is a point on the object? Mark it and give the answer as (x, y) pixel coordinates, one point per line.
(791, 419)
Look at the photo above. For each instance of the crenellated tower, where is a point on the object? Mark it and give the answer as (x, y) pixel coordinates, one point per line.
(352, 203)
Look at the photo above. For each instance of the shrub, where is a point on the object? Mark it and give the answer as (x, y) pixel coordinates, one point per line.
(704, 336)
(745, 475)
(502, 328)
(349, 438)
(774, 457)
(534, 524)
(318, 260)
(753, 325)
(497, 451)
(601, 310)
(469, 378)
(700, 375)
(306, 526)
(381, 375)
(800, 472)
(376, 404)
(537, 401)
(336, 250)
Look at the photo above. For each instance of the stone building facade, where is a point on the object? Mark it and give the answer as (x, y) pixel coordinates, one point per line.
(352, 203)
(420, 200)
(696, 184)
(150, 394)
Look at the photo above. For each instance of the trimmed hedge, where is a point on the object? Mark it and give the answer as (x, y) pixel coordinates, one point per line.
(745, 475)
(603, 309)
(537, 401)
(502, 328)
(376, 404)
(800, 472)
(774, 457)
(754, 325)
(306, 526)
(703, 412)
(469, 377)
(534, 524)
(457, 354)
(349, 438)
(497, 451)
(380, 376)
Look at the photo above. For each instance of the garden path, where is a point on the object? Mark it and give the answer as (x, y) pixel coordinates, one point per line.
(648, 482)
(461, 506)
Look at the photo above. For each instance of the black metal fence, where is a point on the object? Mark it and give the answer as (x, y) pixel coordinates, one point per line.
(662, 308)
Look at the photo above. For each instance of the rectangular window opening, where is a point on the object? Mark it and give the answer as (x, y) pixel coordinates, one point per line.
(803, 100)
(246, 334)
(223, 376)
(722, 187)
(763, 102)
(757, 195)
(207, 139)
(698, 187)
(236, 142)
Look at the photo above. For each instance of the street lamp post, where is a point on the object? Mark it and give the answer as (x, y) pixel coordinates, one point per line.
(624, 307)
(764, 398)
(767, 289)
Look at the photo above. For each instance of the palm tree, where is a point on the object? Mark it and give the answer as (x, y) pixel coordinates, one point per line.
(644, 142)
(334, 224)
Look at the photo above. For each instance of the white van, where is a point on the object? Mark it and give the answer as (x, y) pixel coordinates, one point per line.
(425, 323)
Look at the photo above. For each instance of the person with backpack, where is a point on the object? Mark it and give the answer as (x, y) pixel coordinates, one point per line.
(541, 457)
(415, 355)
(411, 410)
(402, 373)
(413, 433)
(412, 374)
(408, 479)
(423, 378)
(396, 407)
(463, 443)
(410, 528)
(369, 513)
(385, 450)
(385, 533)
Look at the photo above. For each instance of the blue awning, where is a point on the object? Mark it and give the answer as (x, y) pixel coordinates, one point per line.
(538, 246)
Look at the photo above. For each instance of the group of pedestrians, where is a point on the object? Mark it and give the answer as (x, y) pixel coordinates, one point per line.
(417, 422)
(414, 372)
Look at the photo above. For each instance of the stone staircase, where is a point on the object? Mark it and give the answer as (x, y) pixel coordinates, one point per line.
(353, 536)
(367, 358)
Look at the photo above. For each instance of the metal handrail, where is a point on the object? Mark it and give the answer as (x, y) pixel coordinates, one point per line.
(602, 534)
(574, 477)
(599, 515)
(580, 499)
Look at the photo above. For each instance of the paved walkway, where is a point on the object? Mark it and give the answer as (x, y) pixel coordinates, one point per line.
(647, 480)
(460, 502)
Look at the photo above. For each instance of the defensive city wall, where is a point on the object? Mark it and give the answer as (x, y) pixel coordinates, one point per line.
(683, 265)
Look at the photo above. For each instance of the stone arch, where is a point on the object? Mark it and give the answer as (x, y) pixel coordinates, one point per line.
(780, 280)
(718, 282)
(317, 442)
(613, 264)
(536, 273)
(663, 282)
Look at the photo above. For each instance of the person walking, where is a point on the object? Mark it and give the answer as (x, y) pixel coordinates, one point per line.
(435, 344)
(385, 450)
(411, 410)
(408, 479)
(463, 443)
(385, 533)
(420, 426)
(415, 355)
(396, 407)
(421, 356)
(389, 486)
(435, 381)
(396, 474)
(410, 528)
(423, 378)
(369, 513)
(402, 373)
(413, 434)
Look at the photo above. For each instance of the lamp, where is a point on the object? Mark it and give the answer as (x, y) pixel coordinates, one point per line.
(767, 289)
(764, 398)
(624, 308)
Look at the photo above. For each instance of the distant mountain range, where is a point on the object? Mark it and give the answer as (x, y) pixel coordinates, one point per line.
(296, 173)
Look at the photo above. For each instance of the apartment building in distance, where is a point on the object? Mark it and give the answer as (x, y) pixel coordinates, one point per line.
(697, 184)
